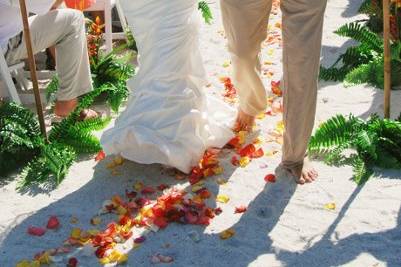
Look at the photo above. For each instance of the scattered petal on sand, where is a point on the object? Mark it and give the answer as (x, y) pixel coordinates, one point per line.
(222, 198)
(53, 223)
(96, 220)
(244, 161)
(330, 206)
(241, 209)
(36, 231)
(226, 234)
(276, 88)
(139, 240)
(158, 258)
(270, 178)
(74, 220)
(148, 190)
(138, 186)
(221, 181)
(72, 262)
(100, 156)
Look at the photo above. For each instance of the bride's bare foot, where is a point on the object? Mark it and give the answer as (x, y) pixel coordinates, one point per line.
(244, 121)
(303, 174)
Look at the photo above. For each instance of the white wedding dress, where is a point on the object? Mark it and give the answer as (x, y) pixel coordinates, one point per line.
(168, 119)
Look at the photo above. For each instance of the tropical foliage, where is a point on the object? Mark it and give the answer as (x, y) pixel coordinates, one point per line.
(22, 143)
(361, 144)
(363, 63)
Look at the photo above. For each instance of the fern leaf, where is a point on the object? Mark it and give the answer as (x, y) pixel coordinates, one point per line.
(359, 75)
(361, 34)
(362, 172)
(332, 74)
(93, 124)
(207, 15)
(333, 133)
(52, 87)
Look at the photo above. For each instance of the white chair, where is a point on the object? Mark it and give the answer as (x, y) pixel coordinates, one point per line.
(106, 6)
(5, 71)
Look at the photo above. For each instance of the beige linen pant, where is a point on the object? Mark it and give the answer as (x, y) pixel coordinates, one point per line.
(245, 23)
(64, 28)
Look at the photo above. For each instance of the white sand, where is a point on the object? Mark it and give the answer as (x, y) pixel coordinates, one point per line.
(286, 225)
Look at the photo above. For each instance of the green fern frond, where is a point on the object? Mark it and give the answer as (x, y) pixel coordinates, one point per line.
(362, 172)
(82, 142)
(362, 34)
(332, 74)
(93, 124)
(35, 171)
(204, 8)
(359, 75)
(52, 87)
(370, 8)
(365, 144)
(59, 159)
(336, 132)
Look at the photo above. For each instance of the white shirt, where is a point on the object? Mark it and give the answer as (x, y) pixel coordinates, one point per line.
(10, 17)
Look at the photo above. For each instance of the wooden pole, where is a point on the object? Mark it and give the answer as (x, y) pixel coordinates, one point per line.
(387, 58)
(32, 67)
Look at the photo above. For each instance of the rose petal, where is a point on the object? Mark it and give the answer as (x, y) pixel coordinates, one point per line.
(53, 223)
(240, 209)
(36, 231)
(100, 156)
(271, 178)
(72, 262)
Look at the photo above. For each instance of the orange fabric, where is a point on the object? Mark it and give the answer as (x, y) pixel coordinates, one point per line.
(79, 4)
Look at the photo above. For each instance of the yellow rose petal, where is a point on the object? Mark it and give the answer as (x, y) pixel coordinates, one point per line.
(222, 198)
(330, 206)
(227, 234)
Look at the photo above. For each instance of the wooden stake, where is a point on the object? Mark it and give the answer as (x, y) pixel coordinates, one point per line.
(32, 67)
(387, 58)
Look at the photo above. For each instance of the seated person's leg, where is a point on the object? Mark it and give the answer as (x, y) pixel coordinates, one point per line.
(64, 28)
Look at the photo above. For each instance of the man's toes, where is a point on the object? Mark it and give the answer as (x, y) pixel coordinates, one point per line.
(307, 177)
(301, 180)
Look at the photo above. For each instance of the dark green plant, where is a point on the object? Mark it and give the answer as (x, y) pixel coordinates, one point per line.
(375, 143)
(52, 88)
(109, 74)
(22, 143)
(204, 8)
(364, 62)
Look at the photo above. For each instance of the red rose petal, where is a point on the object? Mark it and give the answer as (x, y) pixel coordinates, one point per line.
(53, 223)
(271, 178)
(72, 262)
(241, 209)
(131, 194)
(148, 190)
(234, 161)
(258, 153)
(247, 151)
(139, 240)
(160, 222)
(218, 211)
(36, 231)
(100, 156)
(162, 187)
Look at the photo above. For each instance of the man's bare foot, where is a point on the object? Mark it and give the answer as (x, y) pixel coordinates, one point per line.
(303, 174)
(64, 108)
(244, 122)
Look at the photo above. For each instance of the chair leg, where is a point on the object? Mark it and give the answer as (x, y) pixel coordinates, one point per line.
(5, 73)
